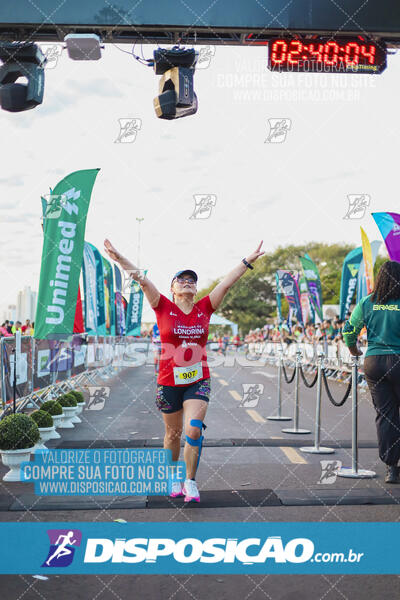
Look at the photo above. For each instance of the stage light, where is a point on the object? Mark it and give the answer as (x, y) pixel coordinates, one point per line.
(177, 97)
(83, 46)
(21, 59)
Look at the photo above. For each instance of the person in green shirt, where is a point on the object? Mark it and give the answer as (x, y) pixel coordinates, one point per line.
(379, 312)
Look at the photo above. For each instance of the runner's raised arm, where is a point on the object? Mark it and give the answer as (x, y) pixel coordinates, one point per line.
(150, 291)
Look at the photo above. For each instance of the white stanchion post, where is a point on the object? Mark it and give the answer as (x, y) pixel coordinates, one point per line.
(354, 472)
(279, 416)
(296, 428)
(317, 449)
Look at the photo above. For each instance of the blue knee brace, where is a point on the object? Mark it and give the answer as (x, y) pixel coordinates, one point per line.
(198, 442)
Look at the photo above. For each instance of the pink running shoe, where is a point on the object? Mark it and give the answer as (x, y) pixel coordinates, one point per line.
(176, 489)
(191, 491)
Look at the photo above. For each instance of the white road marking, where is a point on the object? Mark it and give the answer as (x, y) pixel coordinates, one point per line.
(255, 416)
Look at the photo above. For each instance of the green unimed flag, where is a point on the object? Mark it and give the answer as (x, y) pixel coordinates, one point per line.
(62, 255)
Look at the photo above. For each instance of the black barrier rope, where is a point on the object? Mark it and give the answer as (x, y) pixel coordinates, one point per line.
(287, 379)
(313, 382)
(330, 395)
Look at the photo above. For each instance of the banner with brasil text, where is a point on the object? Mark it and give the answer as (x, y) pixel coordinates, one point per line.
(348, 284)
(62, 252)
(135, 308)
(389, 226)
(313, 280)
(289, 287)
(93, 280)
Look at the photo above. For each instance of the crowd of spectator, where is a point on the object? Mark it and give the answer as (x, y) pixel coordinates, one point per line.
(329, 330)
(9, 328)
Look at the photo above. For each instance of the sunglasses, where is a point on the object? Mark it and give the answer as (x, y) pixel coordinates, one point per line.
(185, 280)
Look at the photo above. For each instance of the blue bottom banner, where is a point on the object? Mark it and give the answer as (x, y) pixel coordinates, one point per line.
(200, 547)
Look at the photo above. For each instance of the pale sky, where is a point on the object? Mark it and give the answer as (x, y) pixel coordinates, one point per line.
(344, 139)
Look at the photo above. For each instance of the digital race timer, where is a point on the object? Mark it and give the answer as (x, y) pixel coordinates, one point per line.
(319, 55)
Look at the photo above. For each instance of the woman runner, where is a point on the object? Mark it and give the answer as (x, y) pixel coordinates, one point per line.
(183, 389)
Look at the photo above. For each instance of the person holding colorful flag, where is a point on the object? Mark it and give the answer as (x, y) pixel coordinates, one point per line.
(379, 312)
(183, 389)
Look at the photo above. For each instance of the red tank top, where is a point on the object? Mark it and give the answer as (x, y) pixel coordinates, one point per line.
(184, 337)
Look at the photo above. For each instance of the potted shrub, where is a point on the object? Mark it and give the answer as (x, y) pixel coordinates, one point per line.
(18, 436)
(80, 400)
(69, 405)
(54, 409)
(81, 403)
(45, 423)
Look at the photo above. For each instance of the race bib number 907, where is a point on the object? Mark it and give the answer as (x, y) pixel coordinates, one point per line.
(190, 374)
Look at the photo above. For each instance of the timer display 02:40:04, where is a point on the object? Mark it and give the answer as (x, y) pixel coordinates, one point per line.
(320, 55)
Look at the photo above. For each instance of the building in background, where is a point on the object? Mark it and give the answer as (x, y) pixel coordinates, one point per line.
(26, 305)
(10, 313)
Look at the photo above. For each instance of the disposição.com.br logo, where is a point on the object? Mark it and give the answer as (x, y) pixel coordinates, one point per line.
(62, 547)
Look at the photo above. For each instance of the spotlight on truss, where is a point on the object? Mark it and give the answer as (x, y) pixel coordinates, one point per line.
(21, 59)
(176, 97)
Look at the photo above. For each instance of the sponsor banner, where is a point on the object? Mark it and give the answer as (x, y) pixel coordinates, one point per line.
(62, 256)
(362, 288)
(78, 320)
(55, 357)
(348, 284)
(306, 306)
(42, 375)
(79, 326)
(24, 368)
(90, 289)
(109, 300)
(389, 226)
(93, 279)
(199, 547)
(367, 259)
(79, 346)
(135, 308)
(119, 307)
(278, 300)
(313, 280)
(288, 285)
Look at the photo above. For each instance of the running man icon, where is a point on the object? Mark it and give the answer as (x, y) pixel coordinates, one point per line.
(62, 547)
